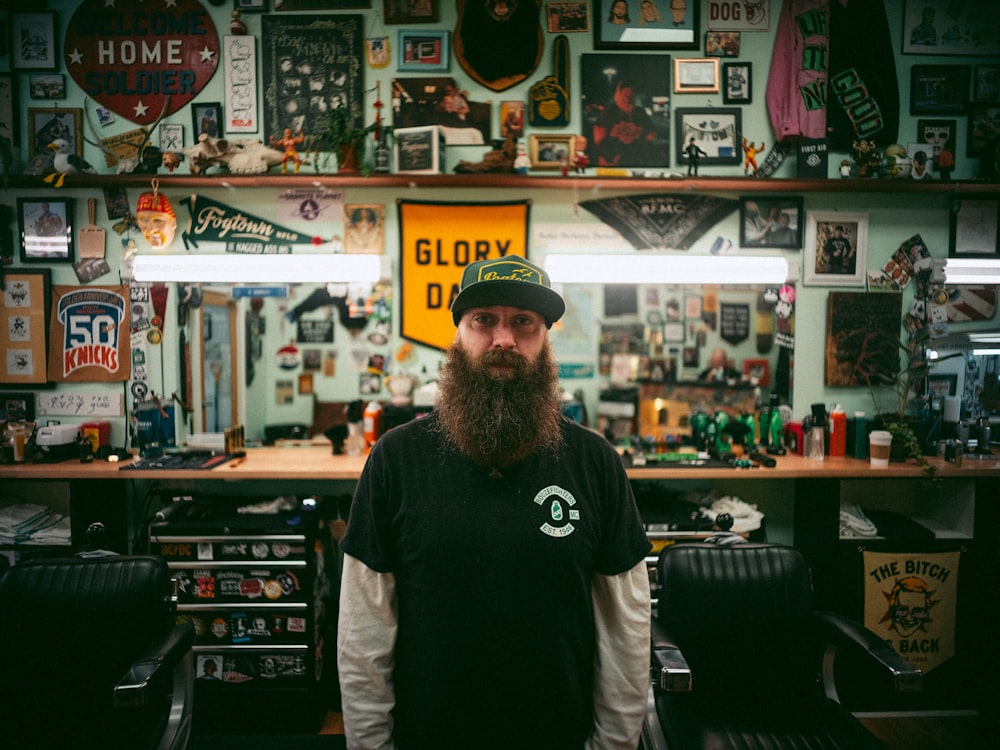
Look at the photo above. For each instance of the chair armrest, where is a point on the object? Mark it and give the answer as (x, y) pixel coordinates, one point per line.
(670, 669)
(160, 658)
(839, 629)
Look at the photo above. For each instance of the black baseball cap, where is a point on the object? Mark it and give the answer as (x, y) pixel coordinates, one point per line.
(512, 281)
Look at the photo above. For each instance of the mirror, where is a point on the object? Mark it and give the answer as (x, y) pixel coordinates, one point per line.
(968, 386)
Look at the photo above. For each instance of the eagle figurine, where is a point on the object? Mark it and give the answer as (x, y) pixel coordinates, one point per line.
(65, 162)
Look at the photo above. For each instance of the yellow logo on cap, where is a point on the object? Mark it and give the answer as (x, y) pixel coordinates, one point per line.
(516, 273)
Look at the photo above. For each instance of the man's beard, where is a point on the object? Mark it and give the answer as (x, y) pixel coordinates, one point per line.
(497, 420)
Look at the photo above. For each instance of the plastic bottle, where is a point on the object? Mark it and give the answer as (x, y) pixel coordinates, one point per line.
(815, 440)
(373, 422)
(838, 431)
(775, 443)
(860, 435)
(764, 428)
(19, 437)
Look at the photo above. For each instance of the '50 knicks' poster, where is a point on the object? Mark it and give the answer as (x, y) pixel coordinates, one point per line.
(89, 334)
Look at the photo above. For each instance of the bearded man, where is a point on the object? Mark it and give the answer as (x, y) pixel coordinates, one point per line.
(494, 591)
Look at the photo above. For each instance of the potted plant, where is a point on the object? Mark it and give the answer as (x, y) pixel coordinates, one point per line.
(344, 138)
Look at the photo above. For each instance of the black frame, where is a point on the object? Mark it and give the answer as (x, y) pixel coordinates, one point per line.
(250, 6)
(552, 17)
(733, 96)
(57, 92)
(939, 89)
(68, 252)
(688, 115)
(37, 146)
(198, 112)
(976, 223)
(602, 41)
(10, 119)
(19, 62)
(986, 83)
(392, 13)
(23, 401)
(766, 203)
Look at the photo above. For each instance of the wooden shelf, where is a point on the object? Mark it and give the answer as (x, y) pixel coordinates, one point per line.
(523, 182)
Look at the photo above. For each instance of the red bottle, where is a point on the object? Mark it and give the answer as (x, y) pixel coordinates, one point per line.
(838, 431)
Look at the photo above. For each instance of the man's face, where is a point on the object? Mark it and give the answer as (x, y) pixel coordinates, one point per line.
(624, 96)
(157, 227)
(910, 612)
(484, 329)
(678, 9)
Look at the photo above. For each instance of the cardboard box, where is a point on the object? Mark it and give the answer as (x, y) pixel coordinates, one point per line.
(420, 150)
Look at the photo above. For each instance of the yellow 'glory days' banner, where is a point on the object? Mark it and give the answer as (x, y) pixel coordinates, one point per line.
(437, 241)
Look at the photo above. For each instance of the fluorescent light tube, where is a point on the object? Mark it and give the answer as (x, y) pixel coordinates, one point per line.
(250, 269)
(972, 271)
(666, 269)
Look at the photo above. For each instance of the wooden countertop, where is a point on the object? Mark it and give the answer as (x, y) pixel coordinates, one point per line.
(317, 462)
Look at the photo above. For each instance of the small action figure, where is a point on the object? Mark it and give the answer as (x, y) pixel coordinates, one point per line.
(946, 163)
(750, 152)
(693, 152)
(290, 143)
(580, 159)
(522, 162)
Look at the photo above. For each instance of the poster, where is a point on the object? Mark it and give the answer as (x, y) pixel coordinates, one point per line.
(862, 338)
(90, 334)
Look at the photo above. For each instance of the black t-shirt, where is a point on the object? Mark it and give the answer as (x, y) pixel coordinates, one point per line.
(493, 580)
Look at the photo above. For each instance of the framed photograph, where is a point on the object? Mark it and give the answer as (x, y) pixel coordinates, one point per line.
(986, 83)
(939, 89)
(944, 27)
(309, 64)
(33, 40)
(737, 82)
(984, 129)
(511, 119)
(24, 327)
(696, 75)
(403, 11)
(47, 86)
(424, 50)
(46, 229)
(973, 230)
(626, 109)
(567, 18)
(758, 371)
(921, 156)
(771, 221)
(47, 125)
(251, 6)
(206, 118)
(715, 130)
(440, 100)
(239, 64)
(836, 248)
(550, 151)
(722, 43)
(17, 407)
(675, 27)
(10, 119)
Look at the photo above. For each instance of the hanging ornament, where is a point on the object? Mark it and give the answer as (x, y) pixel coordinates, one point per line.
(377, 45)
(155, 217)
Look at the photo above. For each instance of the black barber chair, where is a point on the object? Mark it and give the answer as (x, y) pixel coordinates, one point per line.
(741, 659)
(90, 656)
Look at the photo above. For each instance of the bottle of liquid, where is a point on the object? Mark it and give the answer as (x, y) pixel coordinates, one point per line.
(764, 428)
(775, 441)
(373, 422)
(860, 435)
(19, 438)
(838, 431)
(815, 438)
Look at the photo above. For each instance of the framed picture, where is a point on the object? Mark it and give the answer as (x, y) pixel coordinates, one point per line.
(722, 43)
(206, 118)
(310, 63)
(171, 136)
(986, 83)
(567, 18)
(511, 118)
(424, 50)
(836, 248)
(626, 109)
(46, 229)
(47, 86)
(921, 156)
(758, 371)
(550, 151)
(984, 129)
(17, 407)
(696, 75)
(24, 327)
(47, 125)
(973, 230)
(939, 135)
(33, 41)
(10, 119)
(944, 27)
(239, 56)
(715, 130)
(737, 82)
(771, 221)
(440, 100)
(939, 89)
(251, 6)
(403, 11)
(676, 27)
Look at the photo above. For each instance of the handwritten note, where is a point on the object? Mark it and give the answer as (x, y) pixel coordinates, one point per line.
(80, 404)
